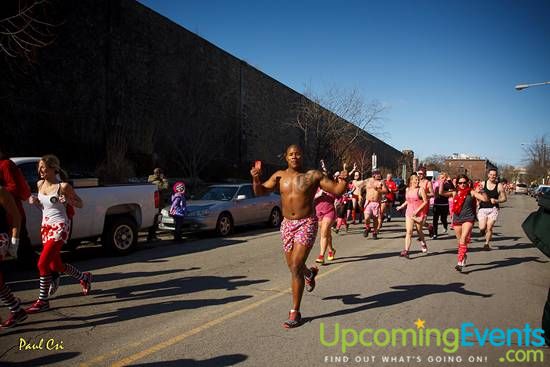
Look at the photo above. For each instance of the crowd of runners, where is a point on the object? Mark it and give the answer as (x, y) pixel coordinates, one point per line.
(312, 201)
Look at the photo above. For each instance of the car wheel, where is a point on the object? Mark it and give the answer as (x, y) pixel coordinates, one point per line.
(120, 235)
(275, 218)
(224, 226)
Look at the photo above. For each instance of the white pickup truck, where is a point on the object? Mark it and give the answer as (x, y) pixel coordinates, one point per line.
(113, 213)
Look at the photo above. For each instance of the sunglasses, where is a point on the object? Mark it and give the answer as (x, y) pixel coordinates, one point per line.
(462, 182)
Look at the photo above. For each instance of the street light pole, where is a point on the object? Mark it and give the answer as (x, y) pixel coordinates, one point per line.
(523, 86)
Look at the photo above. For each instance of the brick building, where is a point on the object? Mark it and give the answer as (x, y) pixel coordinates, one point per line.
(475, 168)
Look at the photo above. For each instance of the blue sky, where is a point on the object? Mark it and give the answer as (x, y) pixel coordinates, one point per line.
(445, 69)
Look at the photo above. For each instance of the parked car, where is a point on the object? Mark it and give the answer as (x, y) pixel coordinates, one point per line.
(113, 213)
(224, 206)
(540, 191)
(521, 188)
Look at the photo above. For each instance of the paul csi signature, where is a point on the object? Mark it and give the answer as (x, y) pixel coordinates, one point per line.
(47, 344)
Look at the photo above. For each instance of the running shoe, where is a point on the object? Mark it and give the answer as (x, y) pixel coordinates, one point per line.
(54, 285)
(320, 259)
(331, 255)
(424, 247)
(38, 306)
(374, 235)
(310, 281)
(294, 320)
(430, 230)
(86, 283)
(461, 264)
(15, 318)
(366, 232)
(487, 247)
(445, 231)
(404, 254)
(389, 218)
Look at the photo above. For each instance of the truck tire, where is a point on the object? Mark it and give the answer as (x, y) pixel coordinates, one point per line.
(120, 235)
(274, 218)
(224, 226)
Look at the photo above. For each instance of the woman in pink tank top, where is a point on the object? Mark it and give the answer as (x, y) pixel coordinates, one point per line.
(416, 202)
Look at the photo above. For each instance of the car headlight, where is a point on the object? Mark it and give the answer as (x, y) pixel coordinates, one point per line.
(199, 213)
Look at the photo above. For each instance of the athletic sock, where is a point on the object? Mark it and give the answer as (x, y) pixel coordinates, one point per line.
(7, 297)
(45, 282)
(73, 272)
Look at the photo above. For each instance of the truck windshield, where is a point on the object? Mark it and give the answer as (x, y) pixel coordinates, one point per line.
(219, 193)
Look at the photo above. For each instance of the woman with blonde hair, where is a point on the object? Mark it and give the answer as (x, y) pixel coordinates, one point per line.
(56, 199)
(415, 202)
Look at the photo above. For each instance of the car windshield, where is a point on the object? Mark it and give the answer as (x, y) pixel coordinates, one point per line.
(521, 185)
(219, 193)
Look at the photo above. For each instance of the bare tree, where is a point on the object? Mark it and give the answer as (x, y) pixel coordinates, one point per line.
(335, 122)
(537, 158)
(25, 27)
(435, 162)
(116, 168)
(507, 172)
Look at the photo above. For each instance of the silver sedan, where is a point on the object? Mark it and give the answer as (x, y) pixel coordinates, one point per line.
(225, 206)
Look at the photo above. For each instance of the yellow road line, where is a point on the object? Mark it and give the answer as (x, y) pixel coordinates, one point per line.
(208, 325)
(174, 340)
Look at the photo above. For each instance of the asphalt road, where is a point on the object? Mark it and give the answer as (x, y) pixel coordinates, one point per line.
(221, 302)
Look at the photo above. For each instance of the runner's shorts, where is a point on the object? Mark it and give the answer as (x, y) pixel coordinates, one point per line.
(490, 213)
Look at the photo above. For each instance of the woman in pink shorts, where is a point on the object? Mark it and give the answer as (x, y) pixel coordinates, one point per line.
(326, 214)
(416, 202)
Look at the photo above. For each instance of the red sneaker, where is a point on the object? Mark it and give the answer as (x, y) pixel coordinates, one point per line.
(320, 259)
(86, 283)
(38, 306)
(331, 255)
(310, 281)
(15, 318)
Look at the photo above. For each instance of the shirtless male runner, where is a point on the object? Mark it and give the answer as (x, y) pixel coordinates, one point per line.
(299, 226)
(488, 211)
(375, 189)
(358, 185)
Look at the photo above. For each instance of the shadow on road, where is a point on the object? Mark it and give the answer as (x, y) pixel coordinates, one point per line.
(34, 283)
(175, 288)
(503, 263)
(221, 361)
(43, 361)
(403, 293)
(119, 315)
(504, 238)
(94, 257)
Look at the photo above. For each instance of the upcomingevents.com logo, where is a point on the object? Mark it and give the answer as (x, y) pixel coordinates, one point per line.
(449, 340)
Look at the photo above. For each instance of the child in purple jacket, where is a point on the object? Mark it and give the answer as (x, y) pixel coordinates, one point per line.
(178, 208)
